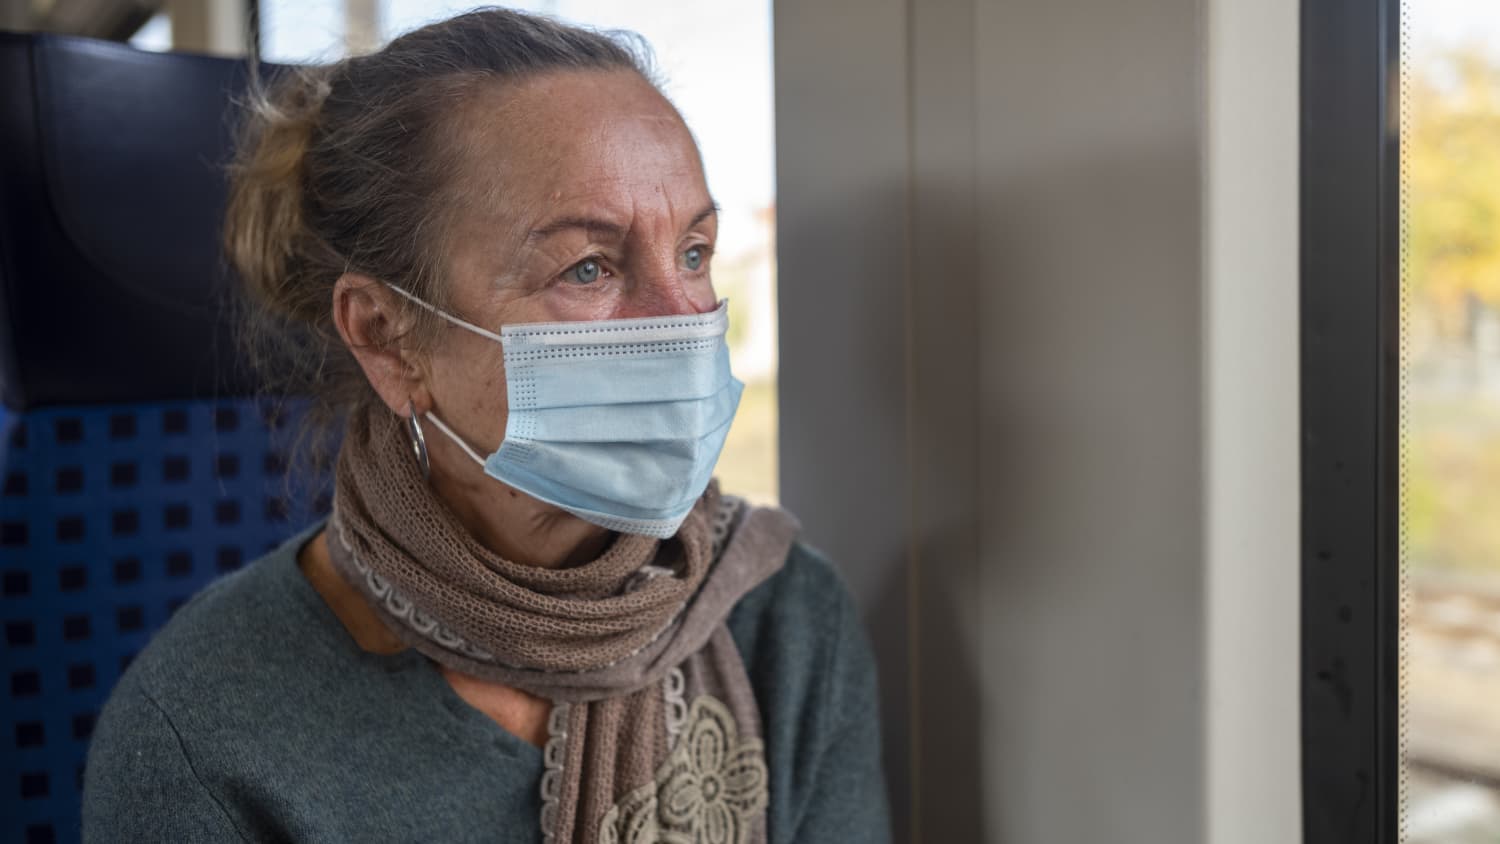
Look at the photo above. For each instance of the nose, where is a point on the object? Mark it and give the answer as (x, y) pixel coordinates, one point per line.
(661, 290)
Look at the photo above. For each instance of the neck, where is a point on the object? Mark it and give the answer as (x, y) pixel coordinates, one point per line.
(518, 527)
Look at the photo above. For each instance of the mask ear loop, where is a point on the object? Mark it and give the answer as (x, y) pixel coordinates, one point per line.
(455, 437)
(482, 332)
(419, 442)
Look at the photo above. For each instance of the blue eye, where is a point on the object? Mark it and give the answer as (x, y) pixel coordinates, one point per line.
(584, 272)
(693, 257)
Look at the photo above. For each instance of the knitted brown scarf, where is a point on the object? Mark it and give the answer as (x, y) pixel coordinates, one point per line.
(654, 731)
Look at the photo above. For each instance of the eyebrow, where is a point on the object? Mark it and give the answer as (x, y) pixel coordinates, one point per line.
(594, 224)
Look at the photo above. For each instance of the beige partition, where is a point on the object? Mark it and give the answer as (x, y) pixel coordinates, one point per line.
(994, 349)
(842, 153)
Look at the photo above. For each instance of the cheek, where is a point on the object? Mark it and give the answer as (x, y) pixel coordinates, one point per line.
(487, 388)
(469, 386)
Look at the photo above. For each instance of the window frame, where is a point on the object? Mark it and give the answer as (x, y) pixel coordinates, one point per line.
(1350, 392)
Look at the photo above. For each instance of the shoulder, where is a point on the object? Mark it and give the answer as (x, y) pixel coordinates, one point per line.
(805, 600)
(249, 631)
(803, 622)
(810, 664)
(221, 673)
(804, 645)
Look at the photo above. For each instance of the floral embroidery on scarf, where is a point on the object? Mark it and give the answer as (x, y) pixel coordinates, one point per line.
(709, 789)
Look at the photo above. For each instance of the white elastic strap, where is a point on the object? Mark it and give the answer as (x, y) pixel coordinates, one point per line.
(483, 332)
(452, 436)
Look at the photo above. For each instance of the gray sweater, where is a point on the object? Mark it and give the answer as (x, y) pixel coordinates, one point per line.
(253, 715)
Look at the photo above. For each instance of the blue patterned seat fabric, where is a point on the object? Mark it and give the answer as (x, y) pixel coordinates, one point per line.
(135, 466)
(111, 517)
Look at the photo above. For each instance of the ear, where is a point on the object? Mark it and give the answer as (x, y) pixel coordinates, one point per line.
(369, 319)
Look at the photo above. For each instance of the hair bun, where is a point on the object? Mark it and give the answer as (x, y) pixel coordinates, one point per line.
(264, 227)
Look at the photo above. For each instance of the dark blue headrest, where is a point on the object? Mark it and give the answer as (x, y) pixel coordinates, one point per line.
(113, 287)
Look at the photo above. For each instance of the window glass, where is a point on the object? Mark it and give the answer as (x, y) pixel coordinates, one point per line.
(155, 34)
(1450, 439)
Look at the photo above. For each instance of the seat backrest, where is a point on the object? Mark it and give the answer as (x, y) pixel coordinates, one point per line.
(136, 462)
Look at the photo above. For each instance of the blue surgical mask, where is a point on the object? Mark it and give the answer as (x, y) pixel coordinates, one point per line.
(619, 422)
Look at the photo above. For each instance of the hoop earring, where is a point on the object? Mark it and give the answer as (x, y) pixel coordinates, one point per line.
(418, 441)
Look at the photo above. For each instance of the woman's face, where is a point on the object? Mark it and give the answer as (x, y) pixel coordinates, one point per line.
(581, 197)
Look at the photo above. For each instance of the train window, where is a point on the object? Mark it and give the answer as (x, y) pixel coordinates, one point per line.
(720, 79)
(1400, 394)
(1450, 422)
(1350, 333)
(155, 34)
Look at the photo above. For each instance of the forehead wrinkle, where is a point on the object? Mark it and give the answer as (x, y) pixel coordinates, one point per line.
(524, 159)
(556, 147)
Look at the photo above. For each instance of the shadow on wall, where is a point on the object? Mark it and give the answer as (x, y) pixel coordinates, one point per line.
(1091, 493)
(943, 735)
(930, 660)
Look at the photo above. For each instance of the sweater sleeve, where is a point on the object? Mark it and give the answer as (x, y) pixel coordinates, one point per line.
(847, 800)
(140, 785)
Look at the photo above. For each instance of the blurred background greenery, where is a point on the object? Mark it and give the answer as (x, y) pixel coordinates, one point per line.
(1450, 441)
(748, 465)
(1451, 318)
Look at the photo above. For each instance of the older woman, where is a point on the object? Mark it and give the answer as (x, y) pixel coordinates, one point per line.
(531, 614)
